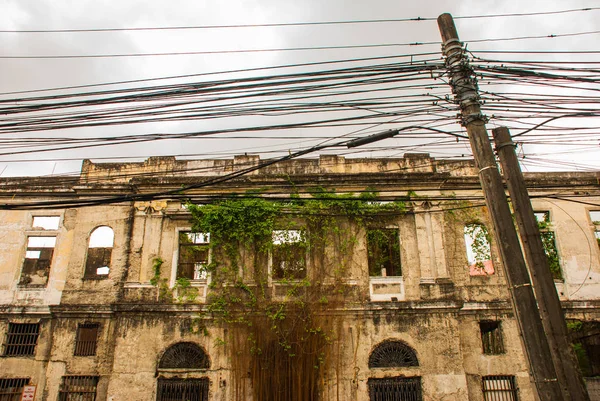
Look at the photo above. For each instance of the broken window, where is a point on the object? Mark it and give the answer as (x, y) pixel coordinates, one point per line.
(193, 255)
(549, 243)
(395, 388)
(80, 388)
(45, 222)
(38, 257)
(595, 217)
(289, 255)
(12, 389)
(21, 339)
(97, 265)
(86, 339)
(479, 254)
(182, 389)
(499, 388)
(491, 337)
(383, 247)
(585, 340)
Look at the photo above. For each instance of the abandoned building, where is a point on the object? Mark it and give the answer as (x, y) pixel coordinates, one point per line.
(309, 279)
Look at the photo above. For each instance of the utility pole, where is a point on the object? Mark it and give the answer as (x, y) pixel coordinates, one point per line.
(549, 304)
(535, 343)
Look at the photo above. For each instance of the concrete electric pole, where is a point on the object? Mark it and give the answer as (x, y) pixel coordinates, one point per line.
(553, 318)
(535, 343)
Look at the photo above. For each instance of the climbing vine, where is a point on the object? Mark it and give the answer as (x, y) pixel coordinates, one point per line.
(278, 269)
(549, 243)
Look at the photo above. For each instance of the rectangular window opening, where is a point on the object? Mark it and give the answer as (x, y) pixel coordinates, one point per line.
(21, 339)
(383, 247)
(78, 388)
(86, 339)
(38, 257)
(97, 263)
(194, 250)
(289, 255)
(595, 217)
(491, 337)
(45, 222)
(12, 389)
(499, 388)
(549, 243)
(479, 251)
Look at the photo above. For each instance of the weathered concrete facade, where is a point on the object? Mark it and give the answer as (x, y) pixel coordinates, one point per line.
(435, 307)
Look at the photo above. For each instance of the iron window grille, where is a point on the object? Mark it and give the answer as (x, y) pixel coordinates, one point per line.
(499, 388)
(383, 247)
(86, 339)
(491, 337)
(185, 355)
(12, 389)
(393, 354)
(395, 389)
(182, 389)
(21, 339)
(80, 388)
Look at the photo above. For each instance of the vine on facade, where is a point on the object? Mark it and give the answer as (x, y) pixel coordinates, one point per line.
(278, 270)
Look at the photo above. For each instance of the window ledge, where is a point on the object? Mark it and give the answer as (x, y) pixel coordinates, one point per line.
(33, 287)
(386, 288)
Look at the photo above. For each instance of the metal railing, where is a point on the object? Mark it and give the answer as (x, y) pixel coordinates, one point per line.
(395, 389)
(499, 388)
(182, 389)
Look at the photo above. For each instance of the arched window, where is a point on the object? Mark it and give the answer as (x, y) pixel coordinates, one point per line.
(392, 354)
(184, 355)
(97, 265)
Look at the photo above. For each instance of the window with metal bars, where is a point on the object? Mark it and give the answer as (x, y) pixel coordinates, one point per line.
(21, 339)
(499, 388)
(182, 389)
(12, 389)
(395, 389)
(491, 337)
(86, 339)
(80, 388)
(393, 354)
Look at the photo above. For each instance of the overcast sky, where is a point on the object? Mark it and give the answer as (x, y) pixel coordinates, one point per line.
(33, 74)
